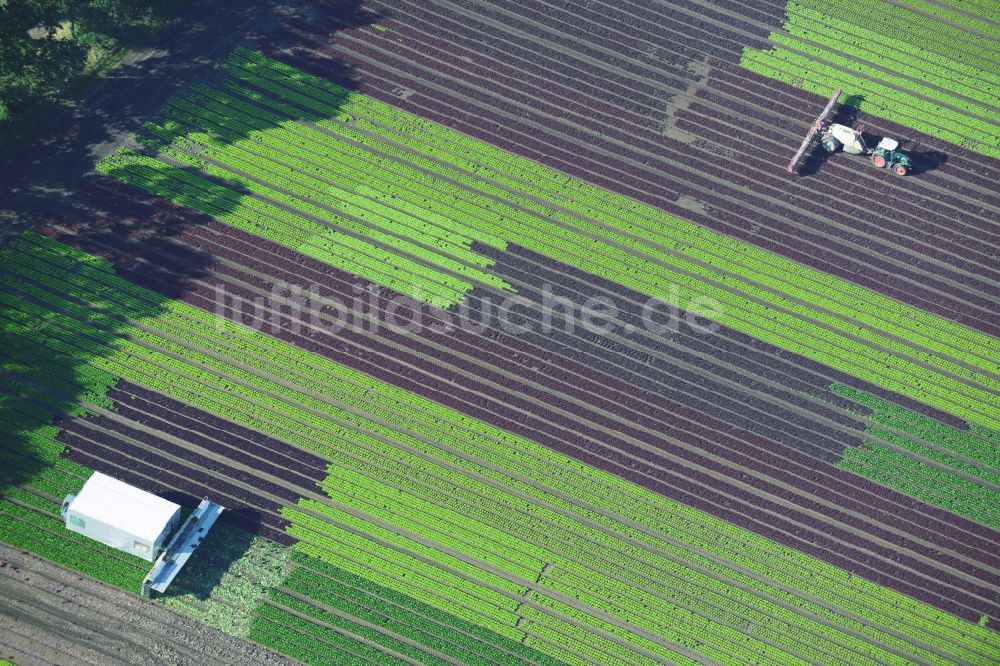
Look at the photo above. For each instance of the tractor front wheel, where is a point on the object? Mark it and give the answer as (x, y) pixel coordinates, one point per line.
(900, 170)
(878, 161)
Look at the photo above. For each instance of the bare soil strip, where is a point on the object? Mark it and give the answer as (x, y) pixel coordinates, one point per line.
(58, 617)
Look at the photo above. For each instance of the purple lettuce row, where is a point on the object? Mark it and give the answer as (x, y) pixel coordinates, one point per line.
(850, 482)
(522, 354)
(75, 434)
(584, 103)
(202, 429)
(709, 124)
(215, 249)
(625, 131)
(448, 394)
(762, 216)
(530, 273)
(441, 36)
(635, 26)
(685, 491)
(781, 238)
(471, 345)
(289, 492)
(563, 70)
(568, 46)
(769, 189)
(186, 488)
(795, 373)
(759, 92)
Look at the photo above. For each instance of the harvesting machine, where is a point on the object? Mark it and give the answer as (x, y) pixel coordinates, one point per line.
(834, 137)
(139, 523)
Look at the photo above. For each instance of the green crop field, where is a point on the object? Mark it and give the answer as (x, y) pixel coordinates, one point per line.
(504, 336)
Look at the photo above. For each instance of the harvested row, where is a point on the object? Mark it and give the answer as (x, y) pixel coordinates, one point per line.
(158, 413)
(359, 355)
(907, 288)
(309, 370)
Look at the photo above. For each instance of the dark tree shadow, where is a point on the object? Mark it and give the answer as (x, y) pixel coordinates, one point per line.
(51, 187)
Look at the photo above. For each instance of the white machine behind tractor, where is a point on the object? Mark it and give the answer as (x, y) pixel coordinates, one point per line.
(834, 137)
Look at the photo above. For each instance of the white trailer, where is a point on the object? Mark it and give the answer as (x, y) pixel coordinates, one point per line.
(121, 516)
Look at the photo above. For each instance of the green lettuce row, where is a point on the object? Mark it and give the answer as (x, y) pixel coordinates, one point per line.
(924, 482)
(382, 606)
(374, 635)
(262, 219)
(431, 560)
(262, 353)
(315, 182)
(301, 639)
(211, 99)
(833, 37)
(426, 140)
(976, 125)
(43, 533)
(977, 444)
(916, 438)
(132, 363)
(366, 495)
(941, 50)
(886, 13)
(955, 17)
(675, 582)
(119, 290)
(960, 371)
(936, 55)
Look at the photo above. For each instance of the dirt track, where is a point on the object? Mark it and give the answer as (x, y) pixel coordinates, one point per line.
(51, 616)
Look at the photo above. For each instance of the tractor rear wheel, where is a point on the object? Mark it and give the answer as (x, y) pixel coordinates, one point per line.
(878, 161)
(900, 170)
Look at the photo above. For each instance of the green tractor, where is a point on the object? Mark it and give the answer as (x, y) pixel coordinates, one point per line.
(886, 155)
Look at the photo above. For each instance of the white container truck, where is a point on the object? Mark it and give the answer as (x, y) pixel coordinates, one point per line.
(121, 516)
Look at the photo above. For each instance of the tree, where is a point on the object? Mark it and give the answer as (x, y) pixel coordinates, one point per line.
(33, 61)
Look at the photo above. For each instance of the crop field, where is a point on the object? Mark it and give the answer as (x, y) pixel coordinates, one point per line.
(504, 337)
